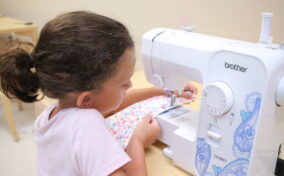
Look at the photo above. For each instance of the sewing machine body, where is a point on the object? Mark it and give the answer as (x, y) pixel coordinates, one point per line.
(239, 127)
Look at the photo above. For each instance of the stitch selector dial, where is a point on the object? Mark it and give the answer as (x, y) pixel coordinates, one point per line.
(217, 98)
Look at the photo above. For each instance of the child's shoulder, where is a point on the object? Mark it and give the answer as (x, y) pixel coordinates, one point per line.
(89, 112)
(86, 116)
(88, 123)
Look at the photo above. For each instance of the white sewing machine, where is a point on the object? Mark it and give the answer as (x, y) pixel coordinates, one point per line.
(240, 125)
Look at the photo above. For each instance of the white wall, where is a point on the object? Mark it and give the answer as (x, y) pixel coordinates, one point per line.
(238, 19)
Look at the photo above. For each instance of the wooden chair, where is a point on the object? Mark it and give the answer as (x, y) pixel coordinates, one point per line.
(15, 27)
(9, 115)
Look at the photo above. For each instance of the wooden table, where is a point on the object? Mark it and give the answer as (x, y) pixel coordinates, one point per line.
(157, 163)
(10, 25)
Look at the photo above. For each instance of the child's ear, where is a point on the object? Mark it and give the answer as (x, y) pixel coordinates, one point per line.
(84, 100)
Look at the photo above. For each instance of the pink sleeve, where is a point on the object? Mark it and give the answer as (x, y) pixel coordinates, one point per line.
(95, 150)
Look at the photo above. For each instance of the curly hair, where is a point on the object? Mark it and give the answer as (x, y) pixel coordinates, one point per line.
(76, 51)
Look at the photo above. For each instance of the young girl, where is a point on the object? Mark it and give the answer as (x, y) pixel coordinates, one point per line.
(85, 61)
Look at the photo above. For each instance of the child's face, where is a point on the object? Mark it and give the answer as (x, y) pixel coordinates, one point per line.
(114, 89)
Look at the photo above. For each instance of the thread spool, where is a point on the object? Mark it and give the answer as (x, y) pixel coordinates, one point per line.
(265, 28)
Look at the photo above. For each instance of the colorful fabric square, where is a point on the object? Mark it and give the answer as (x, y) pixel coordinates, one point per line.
(123, 123)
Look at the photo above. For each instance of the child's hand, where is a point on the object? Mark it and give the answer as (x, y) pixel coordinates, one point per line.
(147, 131)
(189, 92)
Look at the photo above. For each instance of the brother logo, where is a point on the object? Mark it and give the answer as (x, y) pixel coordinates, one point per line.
(235, 67)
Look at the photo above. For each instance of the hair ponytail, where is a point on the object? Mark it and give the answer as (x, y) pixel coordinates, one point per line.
(16, 78)
(75, 52)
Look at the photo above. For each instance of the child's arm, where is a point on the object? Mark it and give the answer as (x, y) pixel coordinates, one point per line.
(134, 95)
(118, 172)
(137, 165)
(146, 132)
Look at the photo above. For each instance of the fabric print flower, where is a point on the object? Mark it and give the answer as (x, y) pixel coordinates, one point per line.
(123, 123)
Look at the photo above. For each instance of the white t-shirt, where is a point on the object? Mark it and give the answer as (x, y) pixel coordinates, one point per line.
(76, 142)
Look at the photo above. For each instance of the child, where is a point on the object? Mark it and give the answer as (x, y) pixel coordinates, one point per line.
(85, 61)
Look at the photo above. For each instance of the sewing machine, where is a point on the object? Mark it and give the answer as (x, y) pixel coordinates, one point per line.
(240, 125)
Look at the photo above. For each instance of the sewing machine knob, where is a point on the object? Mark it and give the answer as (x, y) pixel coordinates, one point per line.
(217, 98)
(279, 97)
(158, 81)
